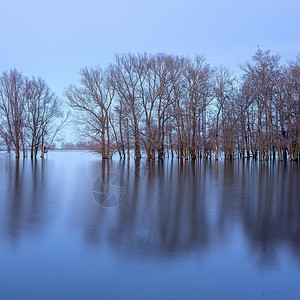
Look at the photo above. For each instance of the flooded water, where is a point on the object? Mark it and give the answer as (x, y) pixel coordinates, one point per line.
(75, 227)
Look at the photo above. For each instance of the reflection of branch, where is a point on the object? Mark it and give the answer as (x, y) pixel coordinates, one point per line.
(59, 128)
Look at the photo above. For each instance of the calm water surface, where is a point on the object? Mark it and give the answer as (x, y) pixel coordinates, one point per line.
(74, 227)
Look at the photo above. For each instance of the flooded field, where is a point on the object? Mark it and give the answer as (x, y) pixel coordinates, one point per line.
(76, 227)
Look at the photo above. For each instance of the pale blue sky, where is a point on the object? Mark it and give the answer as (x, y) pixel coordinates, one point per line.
(55, 38)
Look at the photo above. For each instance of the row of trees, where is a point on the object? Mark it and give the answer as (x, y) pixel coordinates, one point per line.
(163, 105)
(28, 110)
(168, 105)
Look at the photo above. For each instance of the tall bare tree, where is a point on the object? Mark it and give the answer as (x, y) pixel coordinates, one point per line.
(127, 77)
(42, 107)
(92, 99)
(12, 106)
(262, 74)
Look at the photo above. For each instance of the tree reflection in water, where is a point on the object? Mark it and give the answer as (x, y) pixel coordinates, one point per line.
(172, 207)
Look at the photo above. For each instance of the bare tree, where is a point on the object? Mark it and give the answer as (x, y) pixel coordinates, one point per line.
(127, 76)
(12, 106)
(262, 75)
(224, 94)
(42, 107)
(198, 96)
(288, 108)
(92, 99)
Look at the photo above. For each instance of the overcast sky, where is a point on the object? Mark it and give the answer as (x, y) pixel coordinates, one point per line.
(54, 39)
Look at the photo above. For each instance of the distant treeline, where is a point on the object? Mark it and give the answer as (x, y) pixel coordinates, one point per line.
(72, 146)
(175, 106)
